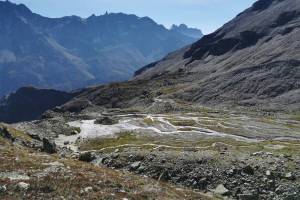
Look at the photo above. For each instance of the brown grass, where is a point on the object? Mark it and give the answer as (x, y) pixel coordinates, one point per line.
(70, 181)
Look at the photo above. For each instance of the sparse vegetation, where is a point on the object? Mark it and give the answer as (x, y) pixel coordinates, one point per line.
(179, 122)
(186, 129)
(16, 133)
(74, 177)
(123, 138)
(296, 117)
(149, 121)
(170, 90)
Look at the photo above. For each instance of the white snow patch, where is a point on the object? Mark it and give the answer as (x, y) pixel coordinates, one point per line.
(91, 130)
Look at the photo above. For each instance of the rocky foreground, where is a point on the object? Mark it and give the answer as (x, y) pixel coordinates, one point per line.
(26, 173)
(117, 154)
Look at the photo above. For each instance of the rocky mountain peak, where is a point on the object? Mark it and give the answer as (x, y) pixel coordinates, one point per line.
(6, 7)
(185, 30)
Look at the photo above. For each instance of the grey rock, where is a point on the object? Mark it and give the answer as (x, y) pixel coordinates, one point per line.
(259, 153)
(117, 150)
(14, 176)
(248, 196)
(115, 155)
(269, 174)
(75, 132)
(141, 169)
(75, 155)
(3, 188)
(291, 195)
(202, 183)
(106, 121)
(232, 172)
(280, 189)
(56, 164)
(221, 190)
(23, 186)
(135, 165)
(100, 161)
(269, 154)
(248, 170)
(88, 189)
(289, 176)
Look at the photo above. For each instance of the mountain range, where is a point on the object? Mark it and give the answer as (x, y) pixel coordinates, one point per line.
(253, 62)
(73, 52)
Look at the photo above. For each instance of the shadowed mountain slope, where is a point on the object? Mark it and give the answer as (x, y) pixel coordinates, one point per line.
(29, 103)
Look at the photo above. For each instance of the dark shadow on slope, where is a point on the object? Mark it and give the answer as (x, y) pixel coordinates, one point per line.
(29, 103)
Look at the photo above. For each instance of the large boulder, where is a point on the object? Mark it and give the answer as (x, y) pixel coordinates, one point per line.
(104, 120)
(87, 157)
(135, 165)
(221, 190)
(23, 186)
(4, 132)
(49, 146)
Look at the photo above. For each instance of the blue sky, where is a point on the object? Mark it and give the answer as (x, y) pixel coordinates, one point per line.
(207, 15)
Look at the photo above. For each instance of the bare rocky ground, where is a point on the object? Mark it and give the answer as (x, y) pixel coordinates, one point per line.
(29, 174)
(215, 153)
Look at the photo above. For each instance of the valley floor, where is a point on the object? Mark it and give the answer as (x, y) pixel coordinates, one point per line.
(133, 155)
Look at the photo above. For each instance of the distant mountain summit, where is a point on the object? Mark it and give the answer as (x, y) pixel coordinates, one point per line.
(185, 30)
(73, 52)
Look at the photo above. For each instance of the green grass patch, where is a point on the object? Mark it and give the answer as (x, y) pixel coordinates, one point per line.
(222, 129)
(186, 129)
(169, 90)
(130, 111)
(296, 116)
(120, 139)
(293, 126)
(149, 121)
(178, 122)
(16, 133)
